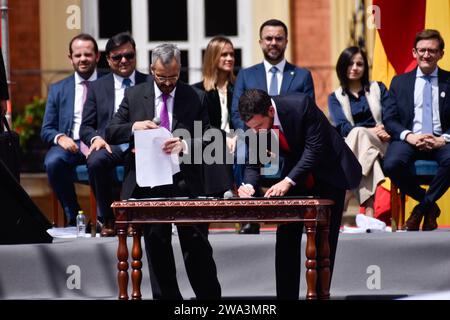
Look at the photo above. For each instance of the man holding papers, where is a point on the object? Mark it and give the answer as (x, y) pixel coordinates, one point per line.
(177, 106)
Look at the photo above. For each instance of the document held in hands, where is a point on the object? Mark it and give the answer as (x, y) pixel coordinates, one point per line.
(153, 166)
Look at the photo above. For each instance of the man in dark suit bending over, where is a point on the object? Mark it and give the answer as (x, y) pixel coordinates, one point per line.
(417, 116)
(310, 146)
(178, 106)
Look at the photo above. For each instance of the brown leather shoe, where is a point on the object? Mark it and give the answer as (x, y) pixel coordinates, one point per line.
(413, 222)
(429, 222)
(108, 229)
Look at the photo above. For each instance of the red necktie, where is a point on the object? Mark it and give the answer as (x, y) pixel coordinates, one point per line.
(284, 145)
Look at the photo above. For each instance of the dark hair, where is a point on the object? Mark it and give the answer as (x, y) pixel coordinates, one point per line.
(83, 37)
(344, 61)
(119, 40)
(273, 23)
(427, 34)
(253, 102)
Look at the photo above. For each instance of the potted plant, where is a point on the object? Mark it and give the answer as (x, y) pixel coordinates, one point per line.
(28, 125)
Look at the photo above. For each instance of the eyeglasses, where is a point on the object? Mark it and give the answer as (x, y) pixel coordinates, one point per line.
(165, 79)
(127, 56)
(431, 52)
(277, 39)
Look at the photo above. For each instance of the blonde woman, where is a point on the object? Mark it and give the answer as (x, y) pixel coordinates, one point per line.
(218, 82)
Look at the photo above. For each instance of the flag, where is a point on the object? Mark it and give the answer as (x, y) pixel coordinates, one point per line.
(400, 20)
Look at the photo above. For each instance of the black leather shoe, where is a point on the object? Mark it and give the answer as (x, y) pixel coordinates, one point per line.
(249, 228)
(413, 222)
(429, 222)
(98, 227)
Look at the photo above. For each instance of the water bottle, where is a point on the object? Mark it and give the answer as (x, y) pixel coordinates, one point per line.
(81, 224)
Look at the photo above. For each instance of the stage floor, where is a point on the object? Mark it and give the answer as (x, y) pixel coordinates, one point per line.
(372, 265)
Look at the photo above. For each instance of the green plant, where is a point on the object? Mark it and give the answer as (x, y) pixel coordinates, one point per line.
(29, 123)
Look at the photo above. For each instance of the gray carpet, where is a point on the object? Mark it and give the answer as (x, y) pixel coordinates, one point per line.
(408, 264)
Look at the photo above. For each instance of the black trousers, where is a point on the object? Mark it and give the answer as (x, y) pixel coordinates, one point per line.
(288, 244)
(196, 249)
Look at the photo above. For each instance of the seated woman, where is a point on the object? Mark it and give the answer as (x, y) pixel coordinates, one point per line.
(355, 110)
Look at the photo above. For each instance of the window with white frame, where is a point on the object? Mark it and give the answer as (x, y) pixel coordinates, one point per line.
(188, 23)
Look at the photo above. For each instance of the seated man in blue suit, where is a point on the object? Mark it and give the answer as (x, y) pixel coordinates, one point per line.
(310, 145)
(62, 120)
(274, 75)
(417, 116)
(103, 100)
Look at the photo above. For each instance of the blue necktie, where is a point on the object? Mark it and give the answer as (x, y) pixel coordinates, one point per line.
(427, 110)
(126, 83)
(273, 90)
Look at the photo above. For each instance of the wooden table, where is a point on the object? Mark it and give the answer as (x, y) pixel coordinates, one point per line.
(314, 213)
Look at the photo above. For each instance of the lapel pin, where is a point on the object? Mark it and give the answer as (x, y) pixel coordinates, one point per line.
(443, 94)
(292, 73)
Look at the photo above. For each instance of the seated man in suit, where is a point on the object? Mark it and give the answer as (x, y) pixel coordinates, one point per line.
(417, 116)
(62, 120)
(103, 100)
(314, 152)
(178, 106)
(274, 75)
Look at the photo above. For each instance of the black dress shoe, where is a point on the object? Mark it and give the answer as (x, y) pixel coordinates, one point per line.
(98, 227)
(249, 228)
(429, 222)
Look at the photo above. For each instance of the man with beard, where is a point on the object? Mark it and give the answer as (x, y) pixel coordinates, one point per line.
(62, 120)
(274, 75)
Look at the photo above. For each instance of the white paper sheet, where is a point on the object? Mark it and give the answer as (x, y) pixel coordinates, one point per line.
(153, 166)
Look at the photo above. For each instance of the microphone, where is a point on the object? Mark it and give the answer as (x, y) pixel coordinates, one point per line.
(228, 194)
(157, 121)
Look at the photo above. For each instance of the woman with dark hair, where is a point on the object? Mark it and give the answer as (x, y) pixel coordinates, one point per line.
(218, 82)
(355, 110)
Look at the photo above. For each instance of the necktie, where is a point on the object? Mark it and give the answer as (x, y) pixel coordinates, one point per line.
(164, 114)
(84, 148)
(284, 146)
(273, 90)
(427, 111)
(126, 83)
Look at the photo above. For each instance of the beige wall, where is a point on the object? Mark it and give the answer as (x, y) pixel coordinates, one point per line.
(341, 17)
(264, 10)
(55, 37)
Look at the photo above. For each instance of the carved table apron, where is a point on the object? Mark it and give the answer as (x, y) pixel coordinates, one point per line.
(313, 212)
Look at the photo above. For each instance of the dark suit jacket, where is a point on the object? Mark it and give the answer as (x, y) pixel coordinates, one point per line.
(315, 146)
(398, 114)
(213, 103)
(4, 95)
(294, 80)
(58, 117)
(217, 178)
(98, 109)
(138, 105)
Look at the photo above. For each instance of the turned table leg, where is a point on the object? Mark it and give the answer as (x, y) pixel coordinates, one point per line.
(136, 265)
(122, 265)
(311, 262)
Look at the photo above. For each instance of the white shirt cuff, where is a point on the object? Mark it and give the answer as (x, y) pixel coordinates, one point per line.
(403, 134)
(290, 181)
(55, 140)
